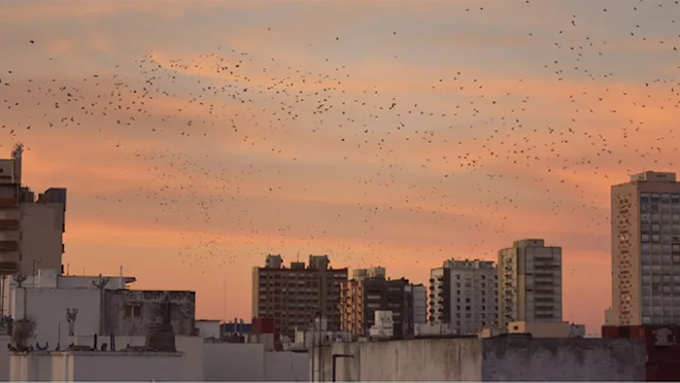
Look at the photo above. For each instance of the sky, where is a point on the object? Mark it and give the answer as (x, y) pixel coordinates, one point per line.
(197, 137)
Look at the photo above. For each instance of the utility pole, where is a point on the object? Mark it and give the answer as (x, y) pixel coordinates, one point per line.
(101, 284)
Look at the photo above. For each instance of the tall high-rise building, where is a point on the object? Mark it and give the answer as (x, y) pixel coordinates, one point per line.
(529, 283)
(361, 298)
(645, 235)
(463, 293)
(31, 230)
(294, 297)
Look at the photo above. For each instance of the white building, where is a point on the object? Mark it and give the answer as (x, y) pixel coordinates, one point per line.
(48, 295)
(530, 283)
(384, 325)
(116, 309)
(208, 329)
(464, 295)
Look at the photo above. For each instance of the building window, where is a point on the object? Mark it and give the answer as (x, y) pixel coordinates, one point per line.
(133, 311)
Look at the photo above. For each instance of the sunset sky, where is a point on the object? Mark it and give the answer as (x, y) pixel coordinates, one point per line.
(196, 137)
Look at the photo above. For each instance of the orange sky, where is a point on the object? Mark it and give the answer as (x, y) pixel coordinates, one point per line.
(204, 135)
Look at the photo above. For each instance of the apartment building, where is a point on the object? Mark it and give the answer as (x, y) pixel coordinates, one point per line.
(371, 291)
(529, 283)
(463, 294)
(645, 235)
(31, 229)
(293, 297)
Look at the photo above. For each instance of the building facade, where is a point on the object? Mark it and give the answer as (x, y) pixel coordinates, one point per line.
(529, 283)
(418, 302)
(115, 309)
(31, 230)
(463, 293)
(293, 297)
(645, 235)
(362, 298)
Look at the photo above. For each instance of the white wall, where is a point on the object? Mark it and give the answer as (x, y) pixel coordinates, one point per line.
(48, 308)
(97, 366)
(191, 346)
(208, 328)
(249, 362)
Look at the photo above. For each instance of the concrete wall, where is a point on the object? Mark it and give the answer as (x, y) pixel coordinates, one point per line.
(191, 346)
(472, 359)
(4, 358)
(286, 367)
(574, 359)
(419, 359)
(96, 366)
(183, 310)
(249, 362)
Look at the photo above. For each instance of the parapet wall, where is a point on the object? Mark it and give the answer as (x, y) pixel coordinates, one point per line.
(567, 359)
(491, 359)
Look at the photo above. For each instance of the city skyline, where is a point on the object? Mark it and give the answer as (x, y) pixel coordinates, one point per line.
(204, 209)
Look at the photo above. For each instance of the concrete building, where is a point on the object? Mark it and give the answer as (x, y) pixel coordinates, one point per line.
(113, 310)
(645, 235)
(372, 272)
(529, 283)
(294, 296)
(361, 298)
(502, 358)
(31, 230)
(463, 293)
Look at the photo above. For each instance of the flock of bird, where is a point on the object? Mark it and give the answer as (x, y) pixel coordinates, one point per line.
(241, 151)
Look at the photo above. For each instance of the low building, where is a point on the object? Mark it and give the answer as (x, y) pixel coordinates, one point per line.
(74, 366)
(501, 358)
(115, 309)
(208, 329)
(384, 325)
(547, 329)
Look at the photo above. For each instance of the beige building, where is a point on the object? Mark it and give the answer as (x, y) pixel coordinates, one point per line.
(463, 293)
(31, 230)
(645, 220)
(529, 283)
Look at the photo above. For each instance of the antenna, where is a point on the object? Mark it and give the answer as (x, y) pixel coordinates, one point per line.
(224, 300)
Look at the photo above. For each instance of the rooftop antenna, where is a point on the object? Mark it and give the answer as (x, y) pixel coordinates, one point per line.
(71, 316)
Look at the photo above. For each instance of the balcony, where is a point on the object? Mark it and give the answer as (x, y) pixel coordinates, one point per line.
(9, 224)
(9, 246)
(8, 203)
